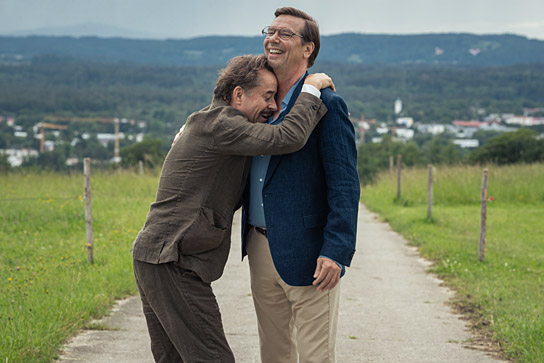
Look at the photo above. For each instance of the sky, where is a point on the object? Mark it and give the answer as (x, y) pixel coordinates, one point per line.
(174, 19)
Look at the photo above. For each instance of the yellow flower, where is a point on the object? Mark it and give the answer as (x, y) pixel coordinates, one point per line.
(9, 279)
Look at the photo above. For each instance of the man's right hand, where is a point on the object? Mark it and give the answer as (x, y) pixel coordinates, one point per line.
(320, 81)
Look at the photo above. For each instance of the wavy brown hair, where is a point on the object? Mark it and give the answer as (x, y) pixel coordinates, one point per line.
(240, 71)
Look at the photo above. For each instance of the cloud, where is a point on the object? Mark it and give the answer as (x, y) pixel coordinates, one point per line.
(533, 25)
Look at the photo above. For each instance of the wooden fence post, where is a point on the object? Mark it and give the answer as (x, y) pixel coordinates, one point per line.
(399, 169)
(141, 167)
(430, 193)
(391, 164)
(88, 209)
(483, 216)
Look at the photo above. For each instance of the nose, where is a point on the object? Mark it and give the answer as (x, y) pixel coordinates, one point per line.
(274, 36)
(272, 105)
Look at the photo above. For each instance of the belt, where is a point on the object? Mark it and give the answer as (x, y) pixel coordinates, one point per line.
(260, 230)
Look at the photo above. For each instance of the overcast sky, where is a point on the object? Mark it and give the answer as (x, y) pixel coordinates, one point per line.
(184, 19)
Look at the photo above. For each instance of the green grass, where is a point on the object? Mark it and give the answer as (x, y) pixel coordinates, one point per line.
(505, 294)
(48, 291)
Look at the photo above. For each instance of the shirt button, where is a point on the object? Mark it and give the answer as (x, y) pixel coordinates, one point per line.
(261, 180)
(262, 205)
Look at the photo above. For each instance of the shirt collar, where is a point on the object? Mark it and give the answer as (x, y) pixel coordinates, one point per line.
(289, 94)
(287, 98)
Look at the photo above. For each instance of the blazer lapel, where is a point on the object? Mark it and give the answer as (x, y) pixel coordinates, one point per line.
(275, 159)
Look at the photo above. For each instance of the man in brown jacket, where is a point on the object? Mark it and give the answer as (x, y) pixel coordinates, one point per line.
(185, 241)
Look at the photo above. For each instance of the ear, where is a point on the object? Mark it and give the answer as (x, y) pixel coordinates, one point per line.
(309, 49)
(237, 96)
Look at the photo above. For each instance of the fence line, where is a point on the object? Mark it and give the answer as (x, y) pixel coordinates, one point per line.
(399, 171)
(88, 209)
(430, 182)
(430, 193)
(37, 198)
(483, 217)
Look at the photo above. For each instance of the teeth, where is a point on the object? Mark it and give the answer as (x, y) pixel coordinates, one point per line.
(275, 51)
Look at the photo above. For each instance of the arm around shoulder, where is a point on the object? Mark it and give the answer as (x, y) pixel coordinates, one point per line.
(238, 136)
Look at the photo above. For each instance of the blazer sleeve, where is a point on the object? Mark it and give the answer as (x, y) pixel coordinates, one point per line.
(339, 159)
(235, 135)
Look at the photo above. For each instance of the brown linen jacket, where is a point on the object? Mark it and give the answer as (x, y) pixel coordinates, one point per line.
(203, 178)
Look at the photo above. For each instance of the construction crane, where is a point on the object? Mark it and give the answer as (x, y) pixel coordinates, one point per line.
(43, 126)
(110, 120)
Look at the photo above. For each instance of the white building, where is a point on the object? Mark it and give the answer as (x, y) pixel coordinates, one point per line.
(404, 134)
(16, 157)
(406, 121)
(398, 106)
(467, 143)
(433, 129)
(524, 121)
(105, 139)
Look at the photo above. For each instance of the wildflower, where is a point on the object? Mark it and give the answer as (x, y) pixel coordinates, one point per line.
(9, 279)
(491, 199)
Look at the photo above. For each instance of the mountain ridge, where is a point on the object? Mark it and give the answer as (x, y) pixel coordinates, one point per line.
(85, 29)
(461, 49)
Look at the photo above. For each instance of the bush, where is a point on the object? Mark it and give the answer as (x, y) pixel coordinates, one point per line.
(148, 151)
(522, 146)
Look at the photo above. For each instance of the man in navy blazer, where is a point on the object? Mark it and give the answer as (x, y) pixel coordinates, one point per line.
(300, 211)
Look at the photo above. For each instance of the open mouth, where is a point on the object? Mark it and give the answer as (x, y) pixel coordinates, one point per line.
(266, 114)
(275, 51)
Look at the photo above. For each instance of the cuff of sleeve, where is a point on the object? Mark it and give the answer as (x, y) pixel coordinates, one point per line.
(339, 264)
(311, 89)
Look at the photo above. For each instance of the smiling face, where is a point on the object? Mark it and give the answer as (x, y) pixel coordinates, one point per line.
(291, 53)
(258, 103)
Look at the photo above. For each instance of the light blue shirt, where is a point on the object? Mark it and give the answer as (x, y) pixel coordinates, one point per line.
(257, 175)
(259, 167)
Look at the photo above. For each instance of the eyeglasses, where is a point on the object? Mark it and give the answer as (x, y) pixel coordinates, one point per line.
(284, 34)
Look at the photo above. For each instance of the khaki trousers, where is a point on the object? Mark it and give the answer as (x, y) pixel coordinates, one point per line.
(293, 320)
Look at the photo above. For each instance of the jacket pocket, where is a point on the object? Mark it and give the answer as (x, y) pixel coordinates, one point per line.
(203, 235)
(315, 220)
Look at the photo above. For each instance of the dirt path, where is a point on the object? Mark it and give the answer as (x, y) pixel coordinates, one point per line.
(391, 311)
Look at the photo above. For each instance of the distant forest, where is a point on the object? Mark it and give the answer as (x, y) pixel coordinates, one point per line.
(165, 95)
(439, 78)
(369, 49)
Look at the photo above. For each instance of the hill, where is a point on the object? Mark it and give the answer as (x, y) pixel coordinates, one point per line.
(423, 49)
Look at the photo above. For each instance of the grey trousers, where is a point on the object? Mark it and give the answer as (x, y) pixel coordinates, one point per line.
(182, 315)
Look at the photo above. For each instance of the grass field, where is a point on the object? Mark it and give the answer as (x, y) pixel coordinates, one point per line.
(505, 294)
(48, 291)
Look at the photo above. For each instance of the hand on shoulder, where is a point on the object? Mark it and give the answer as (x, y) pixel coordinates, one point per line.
(319, 81)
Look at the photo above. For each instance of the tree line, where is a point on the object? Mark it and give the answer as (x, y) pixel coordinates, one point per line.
(164, 96)
(347, 48)
(167, 94)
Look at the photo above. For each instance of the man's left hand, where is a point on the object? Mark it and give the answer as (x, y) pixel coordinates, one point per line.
(327, 274)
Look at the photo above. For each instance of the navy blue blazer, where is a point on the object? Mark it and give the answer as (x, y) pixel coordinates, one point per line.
(311, 197)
